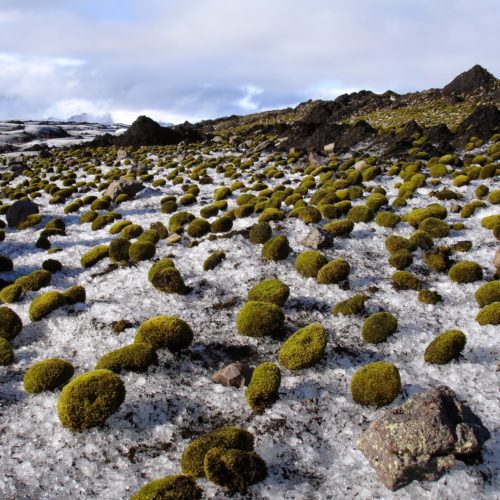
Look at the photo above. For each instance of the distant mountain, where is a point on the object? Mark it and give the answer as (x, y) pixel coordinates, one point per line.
(105, 119)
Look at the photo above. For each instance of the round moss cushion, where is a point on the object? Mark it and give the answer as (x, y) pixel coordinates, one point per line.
(270, 290)
(258, 319)
(10, 323)
(47, 375)
(378, 327)
(376, 384)
(304, 348)
(165, 331)
(445, 347)
(171, 487)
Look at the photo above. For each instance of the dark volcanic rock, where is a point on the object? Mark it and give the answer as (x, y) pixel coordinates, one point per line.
(475, 78)
(482, 123)
(146, 132)
(421, 439)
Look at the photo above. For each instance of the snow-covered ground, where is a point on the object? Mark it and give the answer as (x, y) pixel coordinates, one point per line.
(308, 438)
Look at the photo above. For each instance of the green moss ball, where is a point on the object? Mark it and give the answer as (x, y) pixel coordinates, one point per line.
(134, 357)
(47, 375)
(119, 250)
(488, 293)
(434, 227)
(258, 319)
(401, 259)
(378, 326)
(262, 391)
(141, 250)
(270, 290)
(429, 297)
(11, 293)
(387, 219)
(168, 279)
(10, 324)
(277, 248)
(235, 470)
(304, 348)
(309, 215)
(131, 231)
(178, 487)
(222, 224)
(90, 399)
(213, 260)
(308, 263)
(395, 243)
(44, 304)
(335, 271)
(75, 294)
(198, 228)
(34, 281)
(360, 213)
(438, 261)
(403, 280)
(6, 352)
(168, 332)
(260, 233)
(465, 271)
(489, 315)
(229, 437)
(445, 347)
(353, 305)
(376, 384)
(422, 240)
(94, 255)
(342, 227)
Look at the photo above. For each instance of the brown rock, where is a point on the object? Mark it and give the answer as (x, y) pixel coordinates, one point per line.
(329, 148)
(317, 240)
(122, 186)
(420, 439)
(233, 375)
(173, 239)
(496, 259)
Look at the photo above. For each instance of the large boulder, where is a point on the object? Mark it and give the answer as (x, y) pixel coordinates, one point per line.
(19, 210)
(421, 439)
(124, 186)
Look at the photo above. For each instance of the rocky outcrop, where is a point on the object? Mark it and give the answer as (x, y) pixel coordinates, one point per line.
(471, 80)
(421, 439)
(482, 123)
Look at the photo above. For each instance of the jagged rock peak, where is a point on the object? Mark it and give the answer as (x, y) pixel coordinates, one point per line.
(471, 80)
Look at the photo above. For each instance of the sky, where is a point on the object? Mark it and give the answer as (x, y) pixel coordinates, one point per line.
(177, 60)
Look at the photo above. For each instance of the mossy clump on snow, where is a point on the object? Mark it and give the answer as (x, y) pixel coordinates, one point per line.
(198, 228)
(262, 391)
(260, 233)
(342, 227)
(403, 280)
(229, 437)
(308, 263)
(387, 219)
(131, 231)
(168, 332)
(141, 250)
(47, 375)
(395, 243)
(119, 250)
(489, 315)
(422, 240)
(429, 297)
(177, 487)
(335, 271)
(213, 260)
(438, 261)
(270, 290)
(401, 259)
(10, 323)
(34, 281)
(90, 399)
(304, 348)
(44, 304)
(465, 271)
(134, 357)
(6, 352)
(488, 293)
(233, 469)
(360, 213)
(164, 276)
(378, 327)
(75, 294)
(222, 224)
(434, 227)
(277, 248)
(11, 293)
(376, 384)
(417, 215)
(353, 305)
(94, 255)
(445, 347)
(258, 319)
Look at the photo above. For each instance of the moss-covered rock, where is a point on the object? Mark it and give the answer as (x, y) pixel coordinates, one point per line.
(262, 391)
(233, 469)
(422, 240)
(488, 293)
(434, 227)
(118, 226)
(75, 294)
(198, 228)
(90, 399)
(11, 293)
(378, 326)
(168, 332)
(395, 243)
(489, 315)
(10, 323)
(277, 248)
(376, 384)
(403, 280)
(304, 348)
(258, 319)
(335, 271)
(34, 281)
(260, 233)
(88, 217)
(213, 260)
(47, 375)
(6, 352)
(44, 304)
(465, 271)
(271, 214)
(119, 250)
(178, 487)
(417, 215)
(94, 255)
(141, 250)
(429, 297)
(168, 279)
(342, 227)
(270, 290)
(222, 224)
(353, 305)
(308, 263)
(387, 219)
(134, 357)
(445, 347)
(229, 437)
(309, 215)
(438, 261)
(360, 213)
(401, 259)
(131, 231)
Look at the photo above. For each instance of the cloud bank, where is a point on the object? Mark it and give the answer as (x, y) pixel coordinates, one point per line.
(199, 59)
